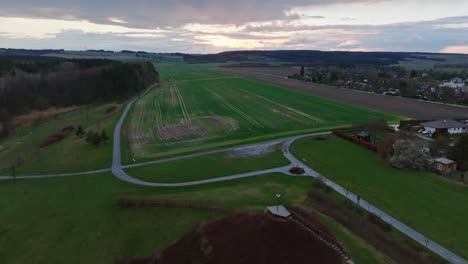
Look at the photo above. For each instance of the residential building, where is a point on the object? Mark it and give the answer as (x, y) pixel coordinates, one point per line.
(445, 126)
(454, 83)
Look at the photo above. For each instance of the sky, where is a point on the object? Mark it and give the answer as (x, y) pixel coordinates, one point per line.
(209, 26)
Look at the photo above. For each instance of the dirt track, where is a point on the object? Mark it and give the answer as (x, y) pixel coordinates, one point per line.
(401, 106)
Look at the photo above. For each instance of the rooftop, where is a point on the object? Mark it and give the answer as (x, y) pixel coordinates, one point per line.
(444, 124)
(280, 211)
(444, 161)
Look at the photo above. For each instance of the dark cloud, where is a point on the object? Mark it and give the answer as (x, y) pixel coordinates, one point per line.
(160, 13)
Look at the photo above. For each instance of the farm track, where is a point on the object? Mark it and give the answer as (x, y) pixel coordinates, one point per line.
(235, 109)
(406, 107)
(183, 107)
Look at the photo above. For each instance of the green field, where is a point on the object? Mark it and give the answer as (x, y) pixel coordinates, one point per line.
(207, 167)
(75, 220)
(70, 155)
(186, 116)
(428, 203)
(433, 61)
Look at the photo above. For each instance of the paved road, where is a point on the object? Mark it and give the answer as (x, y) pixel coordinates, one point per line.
(117, 170)
(54, 175)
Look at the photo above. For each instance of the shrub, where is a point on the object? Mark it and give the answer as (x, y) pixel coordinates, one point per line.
(68, 128)
(356, 140)
(297, 170)
(104, 136)
(111, 109)
(80, 131)
(52, 139)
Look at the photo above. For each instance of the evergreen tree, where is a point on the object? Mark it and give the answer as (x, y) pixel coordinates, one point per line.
(96, 139)
(104, 136)
(80, 131)
(459, 152)
(302, 71)
(89, 136)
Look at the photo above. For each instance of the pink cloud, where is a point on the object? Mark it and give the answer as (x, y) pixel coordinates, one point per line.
(455, 49)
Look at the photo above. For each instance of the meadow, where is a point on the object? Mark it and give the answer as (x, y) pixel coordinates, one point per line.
(208, 167)
(426, 202)
(72, 154)
(188, 114)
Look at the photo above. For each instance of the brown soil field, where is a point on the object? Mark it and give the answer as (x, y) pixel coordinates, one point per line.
(405, 107)
(246, 238)
(178, 131)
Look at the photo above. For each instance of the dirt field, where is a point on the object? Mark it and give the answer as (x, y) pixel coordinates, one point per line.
(401, 106)
(249, 238)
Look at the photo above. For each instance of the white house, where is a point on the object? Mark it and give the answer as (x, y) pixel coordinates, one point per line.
(450, 126)
(454, 83)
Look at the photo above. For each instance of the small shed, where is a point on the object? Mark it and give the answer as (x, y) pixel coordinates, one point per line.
(444, 165)
(279, 210)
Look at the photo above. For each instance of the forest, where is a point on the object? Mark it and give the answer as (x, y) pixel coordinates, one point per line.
(37, 83)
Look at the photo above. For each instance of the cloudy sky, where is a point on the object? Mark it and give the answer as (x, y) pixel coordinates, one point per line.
(206, 26)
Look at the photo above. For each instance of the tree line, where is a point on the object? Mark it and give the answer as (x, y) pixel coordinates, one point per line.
(38, 83)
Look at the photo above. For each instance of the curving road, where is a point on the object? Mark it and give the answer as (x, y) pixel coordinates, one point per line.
(117, 170)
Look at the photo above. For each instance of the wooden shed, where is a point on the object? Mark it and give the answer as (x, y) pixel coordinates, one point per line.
(444, 165)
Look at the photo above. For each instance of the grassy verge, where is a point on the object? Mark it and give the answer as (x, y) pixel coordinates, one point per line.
(207, 167)
(411, 197)
(69, 155)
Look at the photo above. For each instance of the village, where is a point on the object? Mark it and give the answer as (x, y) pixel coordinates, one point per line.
(432, 85)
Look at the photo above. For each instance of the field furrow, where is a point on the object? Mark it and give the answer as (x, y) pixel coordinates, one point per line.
(284, 106)
(235, 109)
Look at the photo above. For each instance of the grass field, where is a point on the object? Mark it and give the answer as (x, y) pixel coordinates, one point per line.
(185, 116)
(430, 204)
(69, 155)
(441, 59)
(75, 220)
(207, 167)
